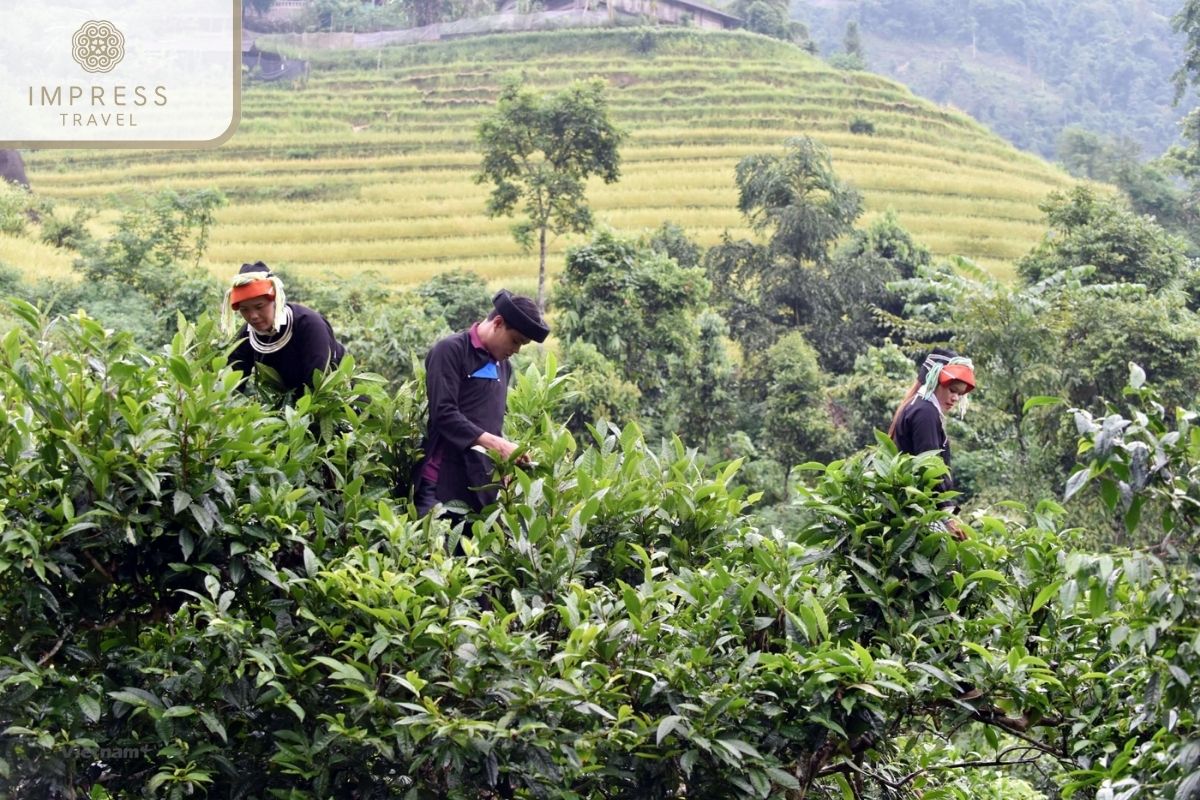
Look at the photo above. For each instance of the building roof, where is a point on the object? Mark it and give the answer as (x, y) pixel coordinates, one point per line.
(707, 9)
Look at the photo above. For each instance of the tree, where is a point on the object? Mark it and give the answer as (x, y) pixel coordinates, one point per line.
(391, 336)
(771, 18)
(734, 267)
(462, 296)
(639, 309)
(332, 15)
(1101, 335)
(599, 389)
(852, 56)
(1086, 154)
(865, 398)
(1145, 461)
(153, 240)
(852, 42)
(539, 151)
(671, 240)
(797, 425)
(259, 7)
(1187, 22)
(798, 201)
(425, 12)
(1117, 160)
(1086, 229)
(137, 277)
(708, 406)
(18, 207)
(853, 288)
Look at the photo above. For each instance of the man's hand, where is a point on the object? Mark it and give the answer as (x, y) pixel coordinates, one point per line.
(499, 444)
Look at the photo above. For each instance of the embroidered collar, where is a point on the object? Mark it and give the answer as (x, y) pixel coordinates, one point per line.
(268, 346)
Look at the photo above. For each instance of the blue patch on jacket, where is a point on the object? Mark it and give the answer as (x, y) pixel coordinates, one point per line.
(488, 370)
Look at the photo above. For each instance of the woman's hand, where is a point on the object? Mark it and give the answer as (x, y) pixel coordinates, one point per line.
(956, 529)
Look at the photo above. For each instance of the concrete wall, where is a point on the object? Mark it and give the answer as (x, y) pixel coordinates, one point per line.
(498, 23)
(286, 9)
(670, 12)
(618, 12)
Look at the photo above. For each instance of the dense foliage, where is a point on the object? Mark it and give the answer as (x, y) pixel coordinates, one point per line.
(1082, 311)
(770, 18)
(136, 277)
(1151, 188)
(803, 208)
(1121, 246)
(204, 593)
(1145, 461)
(618, 295)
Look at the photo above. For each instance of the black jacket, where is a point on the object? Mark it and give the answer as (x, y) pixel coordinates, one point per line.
(468, 392)
(920, 429)
(312, 347)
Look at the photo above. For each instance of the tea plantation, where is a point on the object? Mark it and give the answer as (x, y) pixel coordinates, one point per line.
(203, 596)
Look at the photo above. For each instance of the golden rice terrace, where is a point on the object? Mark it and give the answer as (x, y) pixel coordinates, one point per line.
(370, 163)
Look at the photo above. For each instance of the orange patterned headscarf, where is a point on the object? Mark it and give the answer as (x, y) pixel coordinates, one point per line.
(259, 288)
(254, 280)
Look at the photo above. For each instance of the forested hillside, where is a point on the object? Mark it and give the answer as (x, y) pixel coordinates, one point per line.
(1025, 68)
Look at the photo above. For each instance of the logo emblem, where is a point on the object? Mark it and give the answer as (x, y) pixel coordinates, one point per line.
(98, 46)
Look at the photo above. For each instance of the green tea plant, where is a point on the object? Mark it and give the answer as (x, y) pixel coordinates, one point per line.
(133, 481)
(1142, 456)
(202, 592)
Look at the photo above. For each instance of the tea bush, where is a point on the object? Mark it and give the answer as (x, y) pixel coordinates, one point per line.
(201, 592)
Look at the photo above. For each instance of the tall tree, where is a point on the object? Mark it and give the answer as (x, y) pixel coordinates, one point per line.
(772, 18)
(539, 150)
(1118, 160)
(425, 12)
(852, 41)
(797, 424)
(799, 202)
(1187, 22)
(798, 198)
(461, 296)
(850, 292)
(708, 407)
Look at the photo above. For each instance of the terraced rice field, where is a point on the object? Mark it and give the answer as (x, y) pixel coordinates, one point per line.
(370, 164)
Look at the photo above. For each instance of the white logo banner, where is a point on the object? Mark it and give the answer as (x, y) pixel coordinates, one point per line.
(119, 73)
